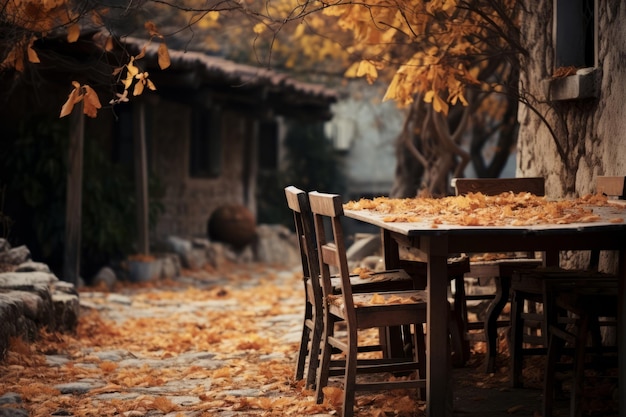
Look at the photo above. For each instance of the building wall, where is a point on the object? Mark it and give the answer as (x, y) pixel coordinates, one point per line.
(366, 130)
(189, 202)
(590, 133)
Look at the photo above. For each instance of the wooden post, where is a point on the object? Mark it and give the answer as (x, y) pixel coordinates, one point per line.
(141, 182)
(73, 207)
(251, 169)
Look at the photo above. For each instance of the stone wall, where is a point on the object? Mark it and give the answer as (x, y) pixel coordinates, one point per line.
(590, 132)
(32, 298)
(188, 202)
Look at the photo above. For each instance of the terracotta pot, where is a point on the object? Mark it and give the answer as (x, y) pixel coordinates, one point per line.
(233, 224)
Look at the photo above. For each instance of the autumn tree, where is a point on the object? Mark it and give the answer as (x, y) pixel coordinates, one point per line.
(452, 63)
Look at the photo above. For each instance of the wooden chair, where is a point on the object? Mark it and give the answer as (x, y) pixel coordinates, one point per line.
(361, 311)
(312, 327)
(539, 287)
(586, 296)
(498, 270)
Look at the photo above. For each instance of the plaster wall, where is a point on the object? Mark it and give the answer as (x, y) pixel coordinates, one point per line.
(367, 130)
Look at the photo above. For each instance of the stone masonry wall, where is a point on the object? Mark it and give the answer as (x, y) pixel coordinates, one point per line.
(32, 298)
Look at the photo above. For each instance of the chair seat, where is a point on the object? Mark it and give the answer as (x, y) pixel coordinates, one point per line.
(545, 285)
(504, 267)
(383, 281)
(540, 279)
(376, 281)
(373, 300)
(387, 308)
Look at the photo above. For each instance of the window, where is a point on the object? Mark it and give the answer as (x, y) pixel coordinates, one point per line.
(576, 74)
(205, 150)
(575, 33)
(268, 145)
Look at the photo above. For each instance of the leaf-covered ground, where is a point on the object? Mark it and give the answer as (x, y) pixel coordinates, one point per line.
(214, 343)
(241, 324)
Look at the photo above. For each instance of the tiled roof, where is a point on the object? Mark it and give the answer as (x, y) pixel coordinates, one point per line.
(234, 73)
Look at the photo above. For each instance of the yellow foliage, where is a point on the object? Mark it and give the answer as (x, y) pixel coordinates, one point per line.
(259, 28)
(73, 32)
(85, 94)
(32, 54)
(164, 56)
(209, 20)
(432, 48)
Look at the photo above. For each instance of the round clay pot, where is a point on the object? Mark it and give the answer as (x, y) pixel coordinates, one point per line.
(233, 224)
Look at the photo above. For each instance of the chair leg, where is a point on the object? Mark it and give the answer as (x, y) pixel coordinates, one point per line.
(555, 347)
(304, 344)
(314, 351)
(325, 356)
(419, 341)
(503, 285)
(458, 329)
(579, 367)
(350, 374)
(517, 340)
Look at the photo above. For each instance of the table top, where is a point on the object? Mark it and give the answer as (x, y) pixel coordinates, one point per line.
(606, 218)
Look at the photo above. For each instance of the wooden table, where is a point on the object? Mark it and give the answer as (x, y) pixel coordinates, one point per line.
(445, 240)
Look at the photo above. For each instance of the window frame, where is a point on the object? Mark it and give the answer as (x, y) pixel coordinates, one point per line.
(585, 82)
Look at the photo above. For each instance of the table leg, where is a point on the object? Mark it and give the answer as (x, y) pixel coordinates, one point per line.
(503, 285)
(391, 339)
(621, 328)
(439, 398)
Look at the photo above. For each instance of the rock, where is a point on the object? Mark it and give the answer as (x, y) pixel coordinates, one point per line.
(195, 259)
(32, 298)
(178, 245)
(64, 287)
(15, 256)
(10, 312)
(35, 308)
(4, 245)
(189, 256)
(171, 266)
(276, 244)
(13, 412)
(32, 266)
(217, 254)
(105, 277)
(66, 312)
(10, 398)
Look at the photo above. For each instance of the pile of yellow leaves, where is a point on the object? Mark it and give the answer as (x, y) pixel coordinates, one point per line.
(239, 330)
(477, 209)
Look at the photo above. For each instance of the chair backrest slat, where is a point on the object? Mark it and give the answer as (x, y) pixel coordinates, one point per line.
(330, 255)
(298, 202)
(611, 186)
(495, 186)
(329, 207)
(326, 204)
